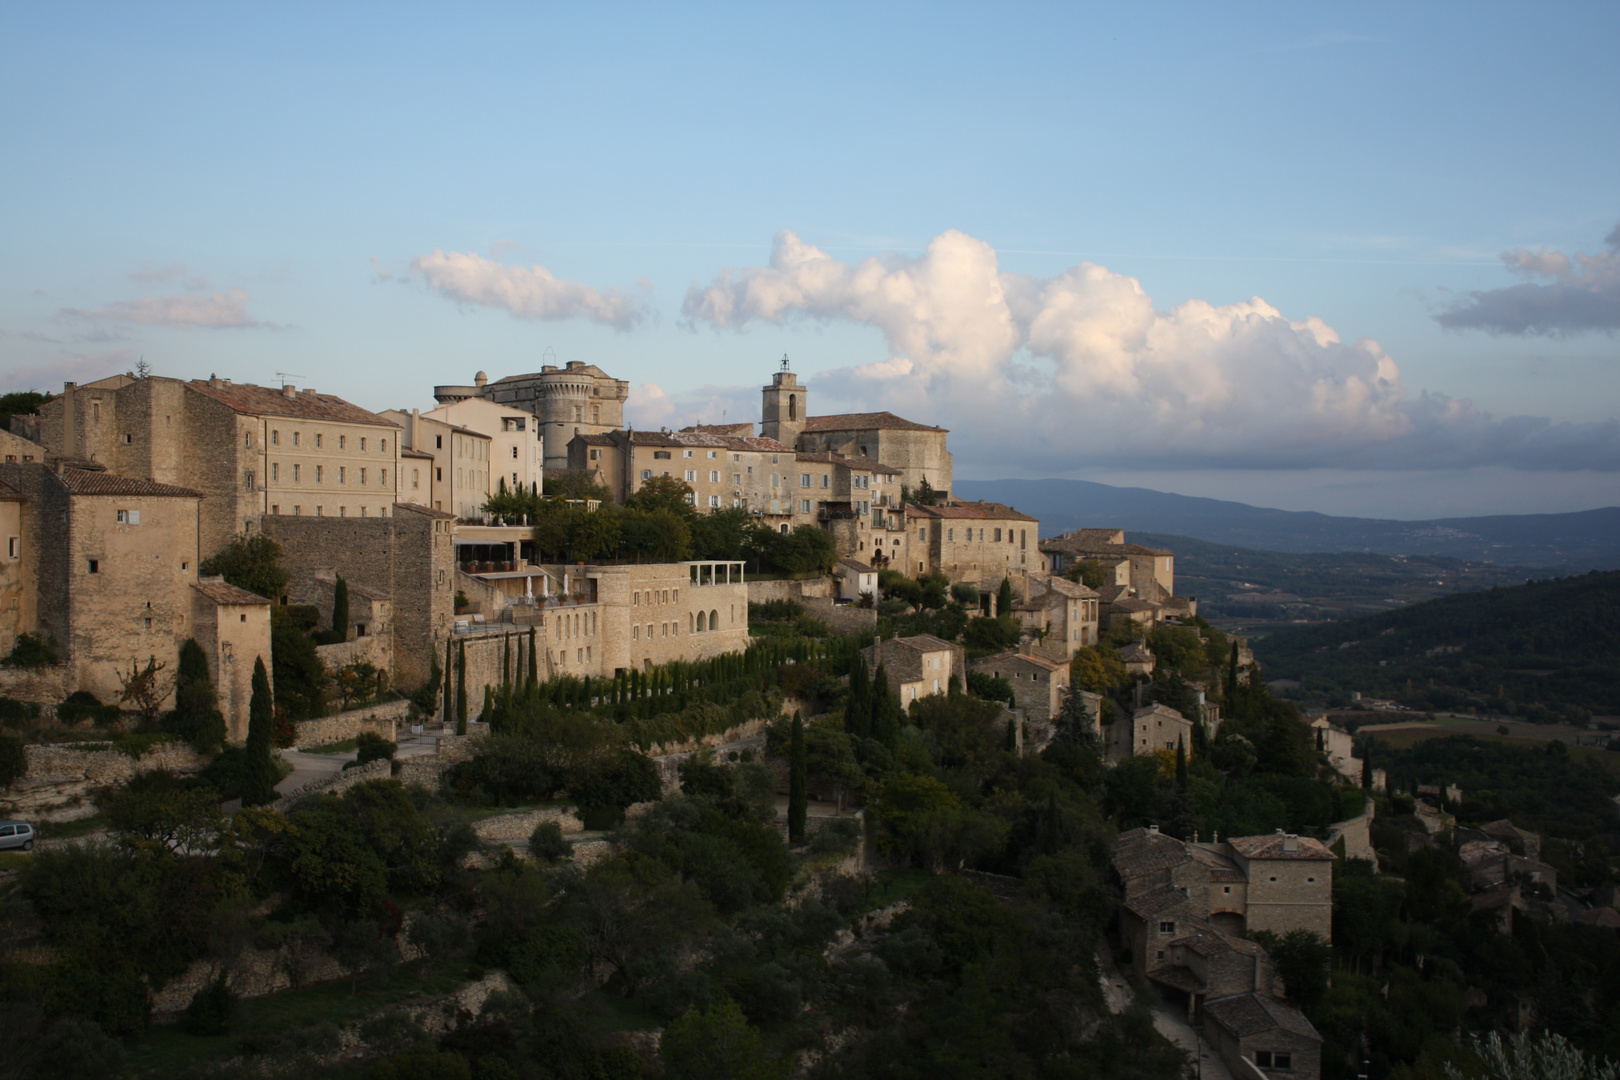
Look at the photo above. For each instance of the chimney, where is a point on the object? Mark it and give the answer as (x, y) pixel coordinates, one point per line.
(1153, 829)
(289, 391)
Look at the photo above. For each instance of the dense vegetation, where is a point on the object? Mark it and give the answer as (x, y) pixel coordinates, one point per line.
(1545, 650)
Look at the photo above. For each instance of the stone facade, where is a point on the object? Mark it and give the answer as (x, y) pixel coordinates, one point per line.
(1156, 727)
(978, 542)
(458, 477)
(576, 399)
(233, 627)
(250, 450)
(917, 666)
(407, 556)
(380, 720)
(1152, 570)
(1262, 1038)
(516, 441)
(1037, 682)
(917, 450)
(61, 778)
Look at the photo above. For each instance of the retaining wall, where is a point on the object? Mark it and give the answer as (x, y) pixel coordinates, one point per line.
(516, 828)
(44, 686)
(761, 591)
(373, 649)
(841, 618)
(381, 769)
(380, 719)
(60, 778)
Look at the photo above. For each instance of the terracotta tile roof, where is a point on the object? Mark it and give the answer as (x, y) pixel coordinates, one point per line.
(972, 511)
(1157, 901)
(745, 430)
(418, 508)
(416, 454)
(1130, 603)
(869, 421)
(1139, 851)
(1275, 845)
(10, 494)
(1062, 586)
(269, 401)
(593, 439)
(217, 590)
(101, 482)
(1110, 593)
(1136, 653)
(857, 462)
(1013, 655)
(1250, 1014)
(1163, 712)
(1206, 939)
(857, 566)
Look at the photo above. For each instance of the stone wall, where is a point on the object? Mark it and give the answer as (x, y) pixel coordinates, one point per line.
(337, 783)
(45, 686)
(516, 828)
(761, 591)
(841, 618)
(380, 719)
(370, 649)
(60, 778)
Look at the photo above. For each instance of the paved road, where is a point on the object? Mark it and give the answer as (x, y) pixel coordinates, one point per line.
(1171, 1022)
(308, 768)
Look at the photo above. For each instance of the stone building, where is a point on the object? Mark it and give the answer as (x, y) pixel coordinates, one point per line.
(917, 666)
(1256, 1033)
(1201, 962)
(722, 470)
(407, 558)
(1152, 728)
(1059, 615)
(575, 399)
(106, 566)
(977, 542)
(1152, 570)
(513, 456)
(1037, 682)
(457, 462)
(251, 450)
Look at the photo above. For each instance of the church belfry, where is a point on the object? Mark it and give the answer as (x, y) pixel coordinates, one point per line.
(782, 417)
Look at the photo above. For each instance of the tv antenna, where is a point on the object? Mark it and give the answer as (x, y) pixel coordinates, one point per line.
(284, 377)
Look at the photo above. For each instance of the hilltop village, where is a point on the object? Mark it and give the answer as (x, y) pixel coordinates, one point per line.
(755, 730)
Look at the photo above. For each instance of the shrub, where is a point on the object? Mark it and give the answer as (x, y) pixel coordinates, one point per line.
(13, 760)
(371, 746)
(211, 1009)
(32, 651)
(547, 844)
(14, 713)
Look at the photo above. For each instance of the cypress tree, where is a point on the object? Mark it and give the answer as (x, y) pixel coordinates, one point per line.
(1004, 598)
(798, 784)
(1200, 742)
(1366, 765)
(858, 709)
(517, 667)
(506, 659)
(449, 681)
(196, 717)
(489, 703)
(1011, 745)
(887, 713)
(1181, 764)
(340, 609)
(1232, 681)
(461, 688)
(532, 678)
(258, 769)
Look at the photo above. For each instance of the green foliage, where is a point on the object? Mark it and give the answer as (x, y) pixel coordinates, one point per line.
(798, 784)
(14, 713)
(987, 635)
(716, 1043)
(369, 746)
(300, 677)
(211, 1009)
(346, 854)
(990, 687)
(547, 843)
(20, 402)
(196, 716)
(259, 773)
(1004, 598)
(13, 760)
(251, 561)
(31, 651)
(340, 609)
(1090, 573)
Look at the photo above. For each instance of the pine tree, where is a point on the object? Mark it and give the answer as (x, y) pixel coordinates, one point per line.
(258, 768)
(461, 688)
(1004, 598)
(798, 784)
(532, 665)
(449, 680)
(340, 609)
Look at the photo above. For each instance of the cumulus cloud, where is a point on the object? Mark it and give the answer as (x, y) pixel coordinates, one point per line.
(1082, 369)
(527, 292)
(651, 406)
(1580, 293)
(217, 311)
(51, 375)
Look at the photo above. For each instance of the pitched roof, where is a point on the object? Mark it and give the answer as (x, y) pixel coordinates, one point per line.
(217, 590)
(870, 421)
(1130, 603)
(1163, 711)
(1097, 542)
(416, 454)
(1276, 846)
(101, 482)
(972, 511)
(418, 508)
(1062, 586)
(1136, 652)
(1207, 939)
(305, 405)
(857, 566)
(1250, 1014)
(1143, 851)
(1013, 655)
(1156, 901)
(744, 430)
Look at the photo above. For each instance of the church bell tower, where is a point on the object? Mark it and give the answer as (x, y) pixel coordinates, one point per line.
(784, 410)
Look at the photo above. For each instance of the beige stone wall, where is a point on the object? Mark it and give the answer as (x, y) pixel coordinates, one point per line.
(664, 597)
(841, 618)
(232, 636)
(1290, 894)
(916, 454)
(43, 686)
(16, 597)
(380, 720)
(981, 552)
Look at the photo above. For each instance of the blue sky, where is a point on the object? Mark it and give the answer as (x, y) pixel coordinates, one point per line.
(1249, 251)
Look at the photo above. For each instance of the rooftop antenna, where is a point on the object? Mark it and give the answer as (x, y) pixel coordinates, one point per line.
(282, 377)
(784, 362)
(549, 352)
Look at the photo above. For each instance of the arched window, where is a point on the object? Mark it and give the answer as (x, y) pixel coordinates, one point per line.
(701, 624)
(793, 406)
(714, 619)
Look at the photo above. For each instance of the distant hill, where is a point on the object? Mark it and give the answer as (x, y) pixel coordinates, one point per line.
(1589, 540)
(1528, 650)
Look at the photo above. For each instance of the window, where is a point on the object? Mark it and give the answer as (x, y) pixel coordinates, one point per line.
(1268, 1059)
(320, 440)
(686, 453)
(362, 442)
(713, 453)
(297, 510)
(343, 511)
(714, 476)
(14, 546)
(804, 479)
(950, 535)
(1167, 927)
(646, 474)
(382, 477)
(362, 476)
(275, 508)
(691, 475)
(826, 480)
(382, 444)
(661, 455)
(343, 474)
(804, 506)
(736, 479)
(922, 534)
(149, 622)
(775, 480)
(129, 517)
(714, 500)
(998, 534)
(320, 511)
(275, 438)
(296, 435)
(296, 471)
(438, 474)
(514, 453)
(95, 566)
(320, 473)
(438, 442)
(275, 471)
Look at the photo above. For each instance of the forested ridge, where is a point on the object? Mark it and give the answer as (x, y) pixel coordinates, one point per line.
(1543, 650)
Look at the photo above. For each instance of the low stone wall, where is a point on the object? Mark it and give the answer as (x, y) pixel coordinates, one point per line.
(61, 777)
(516, 828)
(426, 771)
(761, 591)
(379, 719)
(841, 618)
(44, 686)
(372, 649)
(381, 769)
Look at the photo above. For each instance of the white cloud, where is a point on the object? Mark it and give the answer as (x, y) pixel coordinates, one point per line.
(218, 311)
(650, 406)
(1081, 369)
(526, 292)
